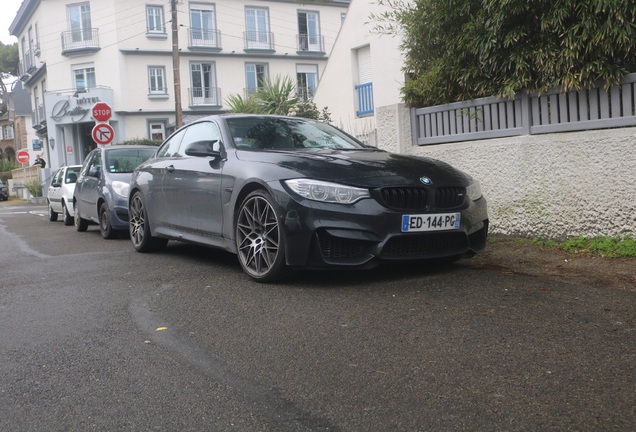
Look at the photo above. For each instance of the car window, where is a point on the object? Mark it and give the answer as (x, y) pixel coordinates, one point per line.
(94, 167)
(88, 162)
(126, 160)
(71, 175)
(203, 131)
(171, 147)
(57, 177)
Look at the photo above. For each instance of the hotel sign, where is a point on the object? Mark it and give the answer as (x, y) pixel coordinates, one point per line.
(65, 109)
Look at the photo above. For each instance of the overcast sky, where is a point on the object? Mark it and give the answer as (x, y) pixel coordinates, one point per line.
(9, 9)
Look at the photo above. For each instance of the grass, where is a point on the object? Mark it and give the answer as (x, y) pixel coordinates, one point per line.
(607, 247)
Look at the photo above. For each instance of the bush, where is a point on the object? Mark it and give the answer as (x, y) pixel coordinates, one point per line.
(34, 187)
(142, 141)
(6, 165)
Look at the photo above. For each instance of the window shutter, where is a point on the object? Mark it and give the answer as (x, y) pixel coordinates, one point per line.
(364, 65)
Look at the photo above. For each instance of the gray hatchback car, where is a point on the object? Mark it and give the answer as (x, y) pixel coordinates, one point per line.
(101, 191)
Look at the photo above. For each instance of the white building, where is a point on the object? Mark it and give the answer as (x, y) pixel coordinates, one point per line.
(364, 74)
(73, 54)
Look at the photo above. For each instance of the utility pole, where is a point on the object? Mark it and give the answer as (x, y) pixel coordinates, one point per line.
(175, 65)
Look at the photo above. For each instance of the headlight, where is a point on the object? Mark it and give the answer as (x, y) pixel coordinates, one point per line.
(474, 190)
(327, 192)
(121, 188)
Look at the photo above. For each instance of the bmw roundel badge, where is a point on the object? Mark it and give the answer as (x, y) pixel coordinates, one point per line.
(426, 180)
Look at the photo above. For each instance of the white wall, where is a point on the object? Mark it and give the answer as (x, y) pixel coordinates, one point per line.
(336, 89)
(547, 186)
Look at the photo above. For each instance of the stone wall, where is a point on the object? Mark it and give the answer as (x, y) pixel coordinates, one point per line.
(549, 186)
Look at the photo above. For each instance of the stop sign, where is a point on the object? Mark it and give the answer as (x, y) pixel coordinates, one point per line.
(23, 156)
(101, 111)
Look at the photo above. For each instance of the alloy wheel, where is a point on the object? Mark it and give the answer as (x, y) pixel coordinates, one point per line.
(137, 220)
(258, 238)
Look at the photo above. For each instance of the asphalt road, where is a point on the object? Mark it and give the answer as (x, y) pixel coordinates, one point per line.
(97, 337)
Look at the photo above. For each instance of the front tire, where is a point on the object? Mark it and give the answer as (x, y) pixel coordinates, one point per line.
(139, 228)
(105, 228)
(81, 225)
(52, 214)
(67, 218)
(260, 244)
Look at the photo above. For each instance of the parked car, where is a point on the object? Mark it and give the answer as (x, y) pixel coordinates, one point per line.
(101, 192)
(283, 192)
(60, 193)
(4, 191)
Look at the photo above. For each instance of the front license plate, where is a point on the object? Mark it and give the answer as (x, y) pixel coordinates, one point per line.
(431, 222)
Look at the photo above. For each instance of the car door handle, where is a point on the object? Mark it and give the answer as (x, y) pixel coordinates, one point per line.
(170, 168)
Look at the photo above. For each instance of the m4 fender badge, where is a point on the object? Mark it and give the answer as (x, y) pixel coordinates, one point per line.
(426, 180)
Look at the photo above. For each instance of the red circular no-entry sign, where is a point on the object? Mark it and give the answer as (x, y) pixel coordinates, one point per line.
(103, 133)
(101, 111)
(23, 156)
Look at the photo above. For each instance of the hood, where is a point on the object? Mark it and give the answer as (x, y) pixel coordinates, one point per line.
(363, 168)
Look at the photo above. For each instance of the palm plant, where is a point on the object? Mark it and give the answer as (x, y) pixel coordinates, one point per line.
(239, 104)
(277, 96)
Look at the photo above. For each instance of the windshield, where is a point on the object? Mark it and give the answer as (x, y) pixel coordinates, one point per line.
(126, 160)
(255, 133)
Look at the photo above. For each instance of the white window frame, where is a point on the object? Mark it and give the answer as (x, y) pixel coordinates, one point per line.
(206, 35)
(251, 74)
(310, 40)
(86, 70)
(205, 94)
(155, 21)
(156, 73)
(307, 70)
(257, 37)
(157, 124)
(84, 31)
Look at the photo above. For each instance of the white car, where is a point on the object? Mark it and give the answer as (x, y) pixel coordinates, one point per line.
(60, 195)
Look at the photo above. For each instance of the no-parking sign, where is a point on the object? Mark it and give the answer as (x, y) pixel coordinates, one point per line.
(103, 133)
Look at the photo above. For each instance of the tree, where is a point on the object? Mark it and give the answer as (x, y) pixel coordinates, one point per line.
(277, 97)
(8, 66)
(462, 49)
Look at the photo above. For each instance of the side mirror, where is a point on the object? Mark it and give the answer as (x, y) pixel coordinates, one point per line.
(205, 148)
(56, 184)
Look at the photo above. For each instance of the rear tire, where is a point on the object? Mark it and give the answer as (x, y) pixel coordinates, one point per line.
(81, 225)
(105, 228)
(52, 214)
(139, 227)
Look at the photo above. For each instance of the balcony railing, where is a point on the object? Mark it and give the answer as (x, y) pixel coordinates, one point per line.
(259, 41)
(365, 99)
(205, 96)
(76, 42)
(305, 93)
(205, 39)
(310, 43)
(156, 31)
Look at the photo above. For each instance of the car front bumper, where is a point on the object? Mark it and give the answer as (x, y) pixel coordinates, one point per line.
(364, 233)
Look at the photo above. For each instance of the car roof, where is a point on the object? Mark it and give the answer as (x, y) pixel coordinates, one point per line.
(124, 147)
